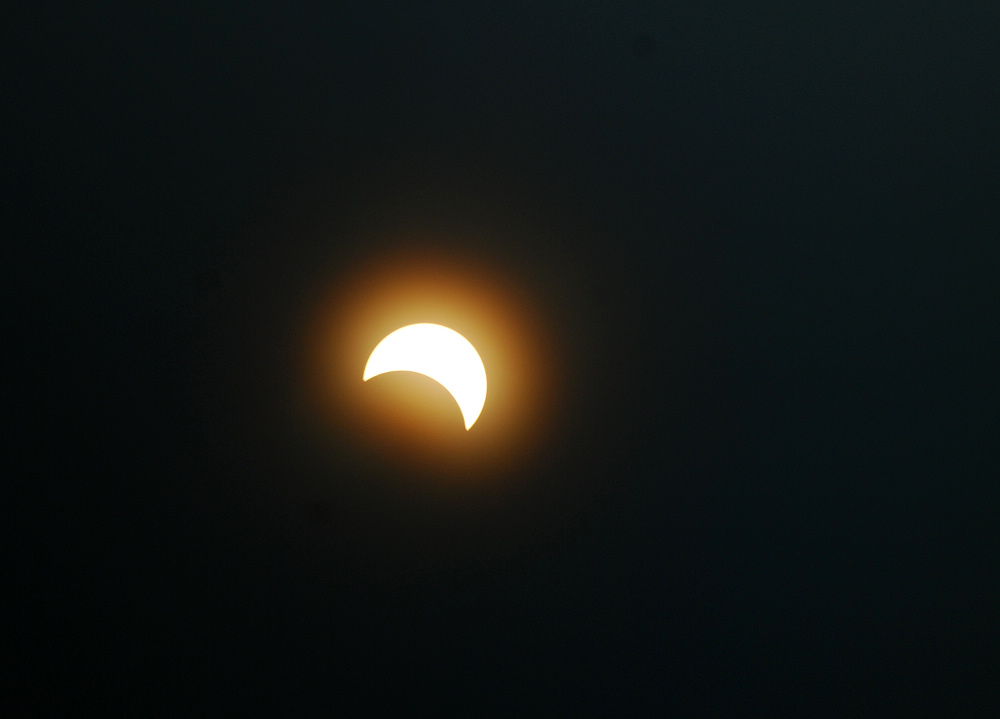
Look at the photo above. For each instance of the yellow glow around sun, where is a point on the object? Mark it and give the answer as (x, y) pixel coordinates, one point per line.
(439, 353)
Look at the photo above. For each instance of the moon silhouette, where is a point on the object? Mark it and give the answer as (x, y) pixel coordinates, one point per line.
(439, 353)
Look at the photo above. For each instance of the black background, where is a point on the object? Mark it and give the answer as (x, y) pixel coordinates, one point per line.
(765, 240)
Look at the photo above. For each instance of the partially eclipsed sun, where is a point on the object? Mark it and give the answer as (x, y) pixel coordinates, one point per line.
(439, 353)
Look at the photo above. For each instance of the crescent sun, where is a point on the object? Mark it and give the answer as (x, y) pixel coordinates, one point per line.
(439, 353)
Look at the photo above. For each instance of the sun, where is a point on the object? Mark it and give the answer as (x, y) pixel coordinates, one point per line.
(439, 353)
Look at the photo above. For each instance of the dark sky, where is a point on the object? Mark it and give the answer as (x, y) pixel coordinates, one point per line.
(764, 244)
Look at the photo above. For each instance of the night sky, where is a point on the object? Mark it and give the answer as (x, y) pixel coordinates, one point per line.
(762, 245)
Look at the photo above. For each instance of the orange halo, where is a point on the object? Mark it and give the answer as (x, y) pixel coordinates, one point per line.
(406, 420)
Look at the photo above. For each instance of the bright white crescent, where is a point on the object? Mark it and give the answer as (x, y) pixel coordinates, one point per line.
(439, 353)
